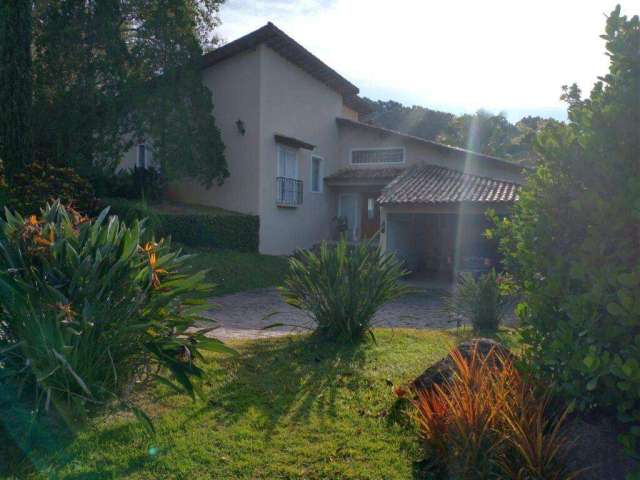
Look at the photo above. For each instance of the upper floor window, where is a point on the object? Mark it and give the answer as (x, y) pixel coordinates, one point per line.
(288, 186)
(287, 162)
(317, 171)
(367, 156)
(141, 161)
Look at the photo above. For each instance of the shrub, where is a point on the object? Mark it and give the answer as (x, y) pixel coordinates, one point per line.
(134, 184)
(39, 183)
(486, 422)
(573, 241)
(87, 310)
(480, 301)
(342, 286)
(226, 230)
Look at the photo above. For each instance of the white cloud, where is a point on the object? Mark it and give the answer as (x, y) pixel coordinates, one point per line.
(457, 55)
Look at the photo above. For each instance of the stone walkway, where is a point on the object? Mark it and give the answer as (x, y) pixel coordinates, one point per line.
(244, 315)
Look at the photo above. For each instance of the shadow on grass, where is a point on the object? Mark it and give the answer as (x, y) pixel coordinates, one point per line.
(293, 378)
(26, 439)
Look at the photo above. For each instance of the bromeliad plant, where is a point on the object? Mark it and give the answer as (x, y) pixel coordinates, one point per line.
(86, 311)
(343, 286)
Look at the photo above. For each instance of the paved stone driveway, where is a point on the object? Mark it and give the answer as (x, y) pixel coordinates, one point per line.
(243, 315)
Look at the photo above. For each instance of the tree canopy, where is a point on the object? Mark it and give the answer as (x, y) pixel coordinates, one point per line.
(484, 132)
(110, 73)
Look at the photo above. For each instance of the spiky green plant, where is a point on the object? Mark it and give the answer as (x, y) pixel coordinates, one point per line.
(343, 286)
(480, 301)
(86, 310)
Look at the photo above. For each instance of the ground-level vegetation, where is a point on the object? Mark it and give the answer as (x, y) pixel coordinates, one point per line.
(286, 408)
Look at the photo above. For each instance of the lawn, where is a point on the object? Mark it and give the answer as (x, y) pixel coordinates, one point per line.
(287, 408)
(234, 271)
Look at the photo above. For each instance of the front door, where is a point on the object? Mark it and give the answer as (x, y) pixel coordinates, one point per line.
(348, 208)
(370, 216)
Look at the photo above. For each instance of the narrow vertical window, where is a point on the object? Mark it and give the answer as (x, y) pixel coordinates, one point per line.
(316, 174)
(371, 208)
(142, 156)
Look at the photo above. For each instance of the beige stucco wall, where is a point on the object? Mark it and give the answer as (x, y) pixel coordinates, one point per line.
(234, 85)
(349, 113)
(416, 152)
(294, 104)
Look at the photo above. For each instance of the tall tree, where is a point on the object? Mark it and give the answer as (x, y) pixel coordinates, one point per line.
(110, 73)
(15, 84)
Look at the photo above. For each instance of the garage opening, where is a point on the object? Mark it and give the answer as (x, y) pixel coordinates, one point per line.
(441, 245)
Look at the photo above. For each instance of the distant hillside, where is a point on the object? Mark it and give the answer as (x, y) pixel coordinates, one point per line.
(492, 134)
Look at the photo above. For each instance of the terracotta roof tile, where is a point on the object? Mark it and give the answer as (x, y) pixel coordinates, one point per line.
(428, 184)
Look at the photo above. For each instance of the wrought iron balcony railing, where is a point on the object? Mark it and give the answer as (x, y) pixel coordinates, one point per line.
(288, 191)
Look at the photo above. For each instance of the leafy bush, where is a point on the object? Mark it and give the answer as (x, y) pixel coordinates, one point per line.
(343, 286)
(227, 230)
(573, 241)
(133, 184)
(480, 301)
(486, 422)
(87, 310)
(39, 183)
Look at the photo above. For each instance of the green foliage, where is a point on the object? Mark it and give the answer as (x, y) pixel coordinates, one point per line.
(113, 73)
(481, 132)
(573, 242)
(480, 301)
(134, 184)
(287, 408)
(343, 286)
(419, 121)
(15, 85)
(222, 229)
(38, 184)
(233, 271)
(87, 310)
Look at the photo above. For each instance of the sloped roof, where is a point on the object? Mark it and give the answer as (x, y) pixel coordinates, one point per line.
(446, 149)
(384, 173)
(429, 184)
(287, 47)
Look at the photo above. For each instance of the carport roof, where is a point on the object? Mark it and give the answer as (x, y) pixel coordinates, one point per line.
(429, 184)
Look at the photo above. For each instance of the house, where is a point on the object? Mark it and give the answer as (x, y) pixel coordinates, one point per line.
(300, 157)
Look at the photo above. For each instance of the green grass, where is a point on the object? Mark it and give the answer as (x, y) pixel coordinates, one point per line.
(283, 409)
(234, 271)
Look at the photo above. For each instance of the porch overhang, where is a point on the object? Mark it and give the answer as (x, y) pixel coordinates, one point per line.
(431, 186)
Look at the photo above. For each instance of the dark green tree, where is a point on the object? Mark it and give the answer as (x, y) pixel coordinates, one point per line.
(573, 241)
(109, 73)
(15, 84)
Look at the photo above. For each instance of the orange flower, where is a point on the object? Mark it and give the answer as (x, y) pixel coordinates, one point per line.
(400, 391)
(149, 248)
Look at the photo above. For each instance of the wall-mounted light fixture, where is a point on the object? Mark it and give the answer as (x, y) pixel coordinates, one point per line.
(240, 125)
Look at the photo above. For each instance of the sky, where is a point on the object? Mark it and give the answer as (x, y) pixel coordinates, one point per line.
(510, 56)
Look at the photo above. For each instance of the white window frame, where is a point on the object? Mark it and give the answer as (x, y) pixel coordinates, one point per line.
(320, 174)
(279, 173)
(404, 155)
(146, 155)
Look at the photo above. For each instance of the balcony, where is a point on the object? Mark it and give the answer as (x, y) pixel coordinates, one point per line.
(288, 192)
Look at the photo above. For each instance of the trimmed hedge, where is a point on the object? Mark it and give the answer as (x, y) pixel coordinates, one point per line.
(195, 228)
